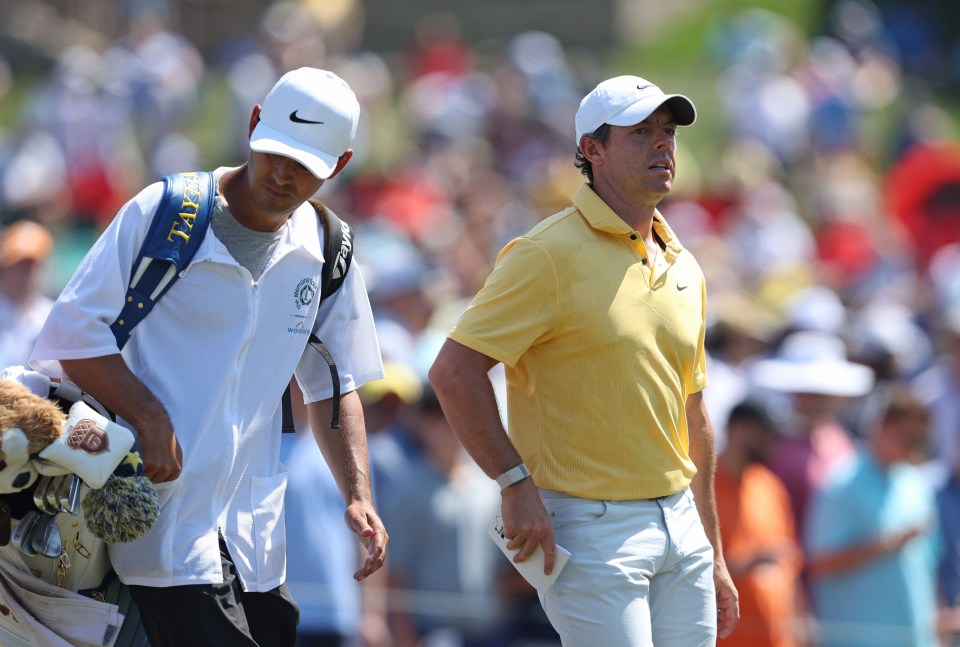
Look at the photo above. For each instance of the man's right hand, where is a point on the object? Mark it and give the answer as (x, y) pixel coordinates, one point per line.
(161, 453)
(526, 523)
(110, 381)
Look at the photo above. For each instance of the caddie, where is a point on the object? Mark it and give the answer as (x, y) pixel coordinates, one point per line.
(201, 378)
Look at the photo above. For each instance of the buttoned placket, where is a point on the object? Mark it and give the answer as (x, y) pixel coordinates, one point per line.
(637, 243)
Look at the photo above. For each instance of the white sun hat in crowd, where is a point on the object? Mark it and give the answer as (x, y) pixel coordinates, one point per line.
(812, 361)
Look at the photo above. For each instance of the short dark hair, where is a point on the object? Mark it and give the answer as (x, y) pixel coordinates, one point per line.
(902, 404)
(902, 407)
(752, 411)
(601, 134)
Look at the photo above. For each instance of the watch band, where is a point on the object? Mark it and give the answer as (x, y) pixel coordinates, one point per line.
(513, 475)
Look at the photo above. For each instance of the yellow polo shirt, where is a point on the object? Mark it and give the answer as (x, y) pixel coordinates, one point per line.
(599, 355)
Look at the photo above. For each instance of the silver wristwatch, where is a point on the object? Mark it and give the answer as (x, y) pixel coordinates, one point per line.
(512, 475)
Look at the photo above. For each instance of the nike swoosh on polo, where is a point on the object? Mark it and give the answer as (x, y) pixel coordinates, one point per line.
(300, 120)
(681, 288)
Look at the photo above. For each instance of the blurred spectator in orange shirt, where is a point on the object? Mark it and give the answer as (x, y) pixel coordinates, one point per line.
(24, 249)
(757, 529)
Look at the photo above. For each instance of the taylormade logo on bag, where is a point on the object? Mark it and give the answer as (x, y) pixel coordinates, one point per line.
(183, 225)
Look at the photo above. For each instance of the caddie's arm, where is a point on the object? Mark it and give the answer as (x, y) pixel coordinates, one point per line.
(703, 455)
(345, 451)
(459, 376)
(113, 384)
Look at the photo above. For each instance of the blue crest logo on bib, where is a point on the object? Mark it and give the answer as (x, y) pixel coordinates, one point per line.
(305, 293)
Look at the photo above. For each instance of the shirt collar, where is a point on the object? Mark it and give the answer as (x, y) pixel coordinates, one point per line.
(302, 230)
(602, 218)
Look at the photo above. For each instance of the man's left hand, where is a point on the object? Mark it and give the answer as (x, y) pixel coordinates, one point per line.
(364, 522)
(728, 604)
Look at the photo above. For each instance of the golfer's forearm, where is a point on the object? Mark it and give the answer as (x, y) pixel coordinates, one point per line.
(344, 449)
(703, 493)
(703, 455)
(459, 377)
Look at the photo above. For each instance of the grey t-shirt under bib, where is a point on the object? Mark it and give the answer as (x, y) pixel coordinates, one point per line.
(251, 249)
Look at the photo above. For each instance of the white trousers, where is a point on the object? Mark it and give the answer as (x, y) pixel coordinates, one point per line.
(640, 574)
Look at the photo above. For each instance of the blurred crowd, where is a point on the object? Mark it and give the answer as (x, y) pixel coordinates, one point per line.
(828, 228)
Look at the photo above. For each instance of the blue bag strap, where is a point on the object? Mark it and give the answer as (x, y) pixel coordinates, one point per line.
(178, 227)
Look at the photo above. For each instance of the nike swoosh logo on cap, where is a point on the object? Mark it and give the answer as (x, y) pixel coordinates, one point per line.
(644, 87)
(300, 120)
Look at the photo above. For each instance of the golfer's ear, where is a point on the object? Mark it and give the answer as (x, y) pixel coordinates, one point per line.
(341, 163)
(254, 120)
(590, 148)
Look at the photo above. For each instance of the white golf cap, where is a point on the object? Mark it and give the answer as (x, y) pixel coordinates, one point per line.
(628, 100)
(311, 116)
